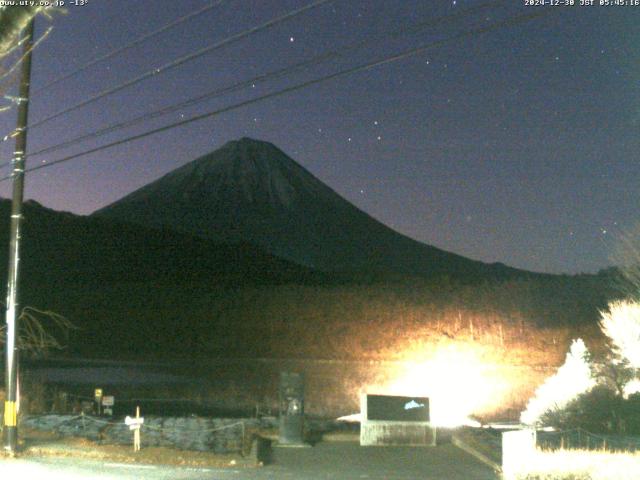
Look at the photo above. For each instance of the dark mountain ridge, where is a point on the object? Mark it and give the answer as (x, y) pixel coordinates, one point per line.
(251, 191)
(65, 249)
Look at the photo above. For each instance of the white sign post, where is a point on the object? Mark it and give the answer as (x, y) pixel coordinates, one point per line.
(135, 424)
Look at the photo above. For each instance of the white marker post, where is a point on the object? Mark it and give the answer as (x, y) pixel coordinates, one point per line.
(135, 424)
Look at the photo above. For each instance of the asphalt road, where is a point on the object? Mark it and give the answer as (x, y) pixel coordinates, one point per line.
(340, 461)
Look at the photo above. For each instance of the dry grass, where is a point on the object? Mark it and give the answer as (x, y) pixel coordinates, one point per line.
(582, 465)
(385, 327)
(528, 324)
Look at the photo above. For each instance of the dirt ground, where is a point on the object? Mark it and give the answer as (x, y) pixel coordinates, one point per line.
(39, 443)
(339, 460)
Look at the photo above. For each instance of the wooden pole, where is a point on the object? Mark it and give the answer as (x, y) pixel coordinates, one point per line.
(136, 432)
(10, 423)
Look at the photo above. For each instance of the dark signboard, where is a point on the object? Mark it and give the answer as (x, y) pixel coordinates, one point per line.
(397, 409)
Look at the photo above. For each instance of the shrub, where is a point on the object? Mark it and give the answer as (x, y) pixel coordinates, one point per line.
(601, 410)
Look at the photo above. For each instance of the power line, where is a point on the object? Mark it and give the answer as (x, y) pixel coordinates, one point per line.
(264, 77)
(24, 55)
(364, 67)
(360, 68)
(16, 64)
(182, 60)
(124, 48)
(109, 54)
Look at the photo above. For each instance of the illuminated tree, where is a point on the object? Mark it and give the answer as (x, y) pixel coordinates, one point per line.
(621, 324)
(573, 378)
(610, 406)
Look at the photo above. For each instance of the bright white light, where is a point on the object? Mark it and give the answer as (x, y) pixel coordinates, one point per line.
(353, 418)
(455, 382)
(571, 379)
(630, 388)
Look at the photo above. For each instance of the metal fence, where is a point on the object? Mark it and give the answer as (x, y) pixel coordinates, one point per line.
(578, 438)
(187, 433)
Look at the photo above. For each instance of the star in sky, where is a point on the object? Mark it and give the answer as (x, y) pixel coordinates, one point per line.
(495, 110)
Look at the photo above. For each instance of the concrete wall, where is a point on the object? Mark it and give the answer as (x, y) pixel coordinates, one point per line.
(381, 433)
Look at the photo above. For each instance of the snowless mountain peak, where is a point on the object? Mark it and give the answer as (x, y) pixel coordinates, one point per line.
(251, 191)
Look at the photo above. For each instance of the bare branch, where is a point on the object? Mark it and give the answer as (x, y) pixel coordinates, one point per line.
(17, 63)
(40, 331)
(12, 21)
(627, 258)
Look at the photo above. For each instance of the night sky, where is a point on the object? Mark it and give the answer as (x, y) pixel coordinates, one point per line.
(518, 145)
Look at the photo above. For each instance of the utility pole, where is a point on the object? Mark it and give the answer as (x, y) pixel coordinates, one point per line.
(10, 424)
